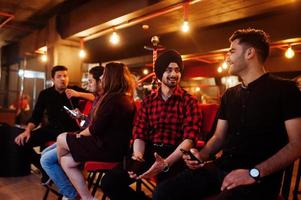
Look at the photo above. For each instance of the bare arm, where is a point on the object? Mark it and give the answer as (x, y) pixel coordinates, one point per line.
(216, 141)
(211, 147)
(177, 154)
(72, 93)
(138, 150)
(290, 152)
(85, 132)
(162, 163)
(24, 137)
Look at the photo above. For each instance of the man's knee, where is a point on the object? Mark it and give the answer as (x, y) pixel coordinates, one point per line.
(113, 180)
(162, 191)
(48, 158)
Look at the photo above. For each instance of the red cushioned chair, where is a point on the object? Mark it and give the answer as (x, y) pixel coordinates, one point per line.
(209, 112)
(96, 170)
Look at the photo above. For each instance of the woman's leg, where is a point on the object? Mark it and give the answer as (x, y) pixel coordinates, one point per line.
(62, 146)
(75, 175)
(71, 168)
(50, 164)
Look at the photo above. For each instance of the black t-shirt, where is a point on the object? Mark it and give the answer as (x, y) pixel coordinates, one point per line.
(50, 102)
(256, 116)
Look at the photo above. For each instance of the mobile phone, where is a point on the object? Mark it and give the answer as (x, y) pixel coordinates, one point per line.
(192, 157)
(74, 114)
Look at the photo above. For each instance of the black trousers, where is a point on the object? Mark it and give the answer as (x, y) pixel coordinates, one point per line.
(115, 183)
(38, 137)
(207, 181)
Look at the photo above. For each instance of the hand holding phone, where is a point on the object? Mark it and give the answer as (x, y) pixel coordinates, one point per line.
(192, 157)
(71, 112)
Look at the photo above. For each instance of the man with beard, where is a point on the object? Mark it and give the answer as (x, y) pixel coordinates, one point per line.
(167, 121)
(50, 102)
(258, 131)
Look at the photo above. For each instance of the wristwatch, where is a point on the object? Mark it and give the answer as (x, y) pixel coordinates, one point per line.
(254, 173)
(166, 167)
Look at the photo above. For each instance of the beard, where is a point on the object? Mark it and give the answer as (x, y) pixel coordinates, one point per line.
(171, 82)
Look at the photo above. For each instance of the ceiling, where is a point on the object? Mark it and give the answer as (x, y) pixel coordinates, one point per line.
(211, 21)
(19, 18)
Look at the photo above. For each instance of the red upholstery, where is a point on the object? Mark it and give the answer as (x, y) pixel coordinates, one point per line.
(209, 112)
(85, 106)
(95, 166)
(99, 168)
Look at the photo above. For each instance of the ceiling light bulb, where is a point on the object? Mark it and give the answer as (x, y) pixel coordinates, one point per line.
(219, 69)
(44, 58)
(145, 71)
(114, 39)
(289, 53)
(185, 26)
(225, 65)
(82, 53)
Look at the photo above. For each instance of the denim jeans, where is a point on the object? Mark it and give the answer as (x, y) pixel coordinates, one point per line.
(50, 164)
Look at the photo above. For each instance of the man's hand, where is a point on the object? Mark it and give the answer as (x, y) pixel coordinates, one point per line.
(71, 93)
(193, 164)
(138, 156)
(236, 178)
(22, 138)
(155, 169)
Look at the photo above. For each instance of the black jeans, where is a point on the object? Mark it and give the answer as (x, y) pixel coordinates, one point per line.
(206, 181)
(38, 137)
(115, 183)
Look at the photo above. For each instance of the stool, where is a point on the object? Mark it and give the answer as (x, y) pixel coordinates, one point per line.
(296, 190)
(96, 170)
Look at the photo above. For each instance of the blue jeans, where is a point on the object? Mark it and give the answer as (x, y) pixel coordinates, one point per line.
(50, 164)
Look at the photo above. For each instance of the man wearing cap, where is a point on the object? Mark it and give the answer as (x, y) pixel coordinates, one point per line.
(169, 120)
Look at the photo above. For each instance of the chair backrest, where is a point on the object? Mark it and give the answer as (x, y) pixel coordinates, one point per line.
(209, 112)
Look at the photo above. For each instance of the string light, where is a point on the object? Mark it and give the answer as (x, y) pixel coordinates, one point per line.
(82, 53)
(145, 71)
(219, 69)
(44, 57)
(289, 53)
(225, 65)
(185, 26)
(114, 39)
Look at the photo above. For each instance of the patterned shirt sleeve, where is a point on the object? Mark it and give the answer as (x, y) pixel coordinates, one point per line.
(140, 130)
(193, 120)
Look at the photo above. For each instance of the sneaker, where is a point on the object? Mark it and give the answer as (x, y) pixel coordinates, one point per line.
(45, 180)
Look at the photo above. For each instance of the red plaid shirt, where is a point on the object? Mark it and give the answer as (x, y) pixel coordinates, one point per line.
(168, 122)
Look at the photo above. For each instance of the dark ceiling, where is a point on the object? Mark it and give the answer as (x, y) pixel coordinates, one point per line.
(19, 18)
(211, 21)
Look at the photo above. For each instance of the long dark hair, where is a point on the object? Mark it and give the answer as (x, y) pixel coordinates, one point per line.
(116, 80)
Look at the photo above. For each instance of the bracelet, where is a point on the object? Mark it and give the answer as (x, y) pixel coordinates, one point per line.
(166, 167)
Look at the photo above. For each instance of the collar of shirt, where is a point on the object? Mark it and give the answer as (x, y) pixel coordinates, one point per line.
(255, 82)
(178, 92)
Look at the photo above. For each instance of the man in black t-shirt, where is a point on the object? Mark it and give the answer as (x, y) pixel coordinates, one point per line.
(50, 103)
(258, 131)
